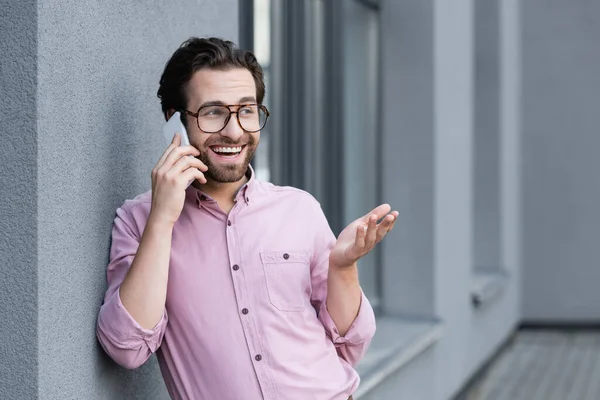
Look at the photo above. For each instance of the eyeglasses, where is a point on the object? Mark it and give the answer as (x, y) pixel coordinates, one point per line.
(213, 119)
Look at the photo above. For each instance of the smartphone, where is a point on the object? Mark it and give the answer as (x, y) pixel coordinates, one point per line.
(173, 126)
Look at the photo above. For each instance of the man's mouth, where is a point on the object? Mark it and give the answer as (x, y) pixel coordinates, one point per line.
(228, 152)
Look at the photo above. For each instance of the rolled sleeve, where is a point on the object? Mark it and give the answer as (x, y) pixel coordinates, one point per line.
(121, 336)
(361, 330)
(354, 344)
(121, 330)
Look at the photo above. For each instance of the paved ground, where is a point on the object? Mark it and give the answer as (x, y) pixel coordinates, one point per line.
(543, 365)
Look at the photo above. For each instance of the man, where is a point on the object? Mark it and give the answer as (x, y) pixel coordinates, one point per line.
(239, 286)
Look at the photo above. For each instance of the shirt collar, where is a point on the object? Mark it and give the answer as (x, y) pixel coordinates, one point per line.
(197, 196)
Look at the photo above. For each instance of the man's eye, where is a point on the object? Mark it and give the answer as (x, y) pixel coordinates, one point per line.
(214, 112)
(247, 110)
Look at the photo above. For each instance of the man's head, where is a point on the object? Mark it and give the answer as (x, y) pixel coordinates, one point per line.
(201, 79)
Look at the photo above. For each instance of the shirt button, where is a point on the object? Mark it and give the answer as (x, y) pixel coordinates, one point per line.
(286, 256)
(244, 311)
(236, 267)
(258, 357)
(228, 223)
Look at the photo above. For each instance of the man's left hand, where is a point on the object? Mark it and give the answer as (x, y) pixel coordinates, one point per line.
(361, 236)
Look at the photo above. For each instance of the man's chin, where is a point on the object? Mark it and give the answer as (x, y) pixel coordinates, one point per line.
(226, 174)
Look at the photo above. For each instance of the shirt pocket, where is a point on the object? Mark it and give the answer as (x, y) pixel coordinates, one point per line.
(288, 279)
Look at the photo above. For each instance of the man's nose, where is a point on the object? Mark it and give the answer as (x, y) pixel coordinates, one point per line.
(232, 130)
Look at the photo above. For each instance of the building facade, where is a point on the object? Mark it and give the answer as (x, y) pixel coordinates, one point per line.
(475, 119)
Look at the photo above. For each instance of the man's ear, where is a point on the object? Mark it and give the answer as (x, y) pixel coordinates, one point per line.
(169, 113)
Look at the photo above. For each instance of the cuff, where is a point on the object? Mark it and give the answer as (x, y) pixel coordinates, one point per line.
(361, 330)
(124, 331)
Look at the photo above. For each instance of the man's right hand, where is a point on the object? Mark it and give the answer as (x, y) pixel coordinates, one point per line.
(170, 178)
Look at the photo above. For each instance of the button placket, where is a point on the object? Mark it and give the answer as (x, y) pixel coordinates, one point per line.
(249, 327)
(239, 277)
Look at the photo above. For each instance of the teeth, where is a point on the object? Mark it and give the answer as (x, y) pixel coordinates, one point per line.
(227, 149)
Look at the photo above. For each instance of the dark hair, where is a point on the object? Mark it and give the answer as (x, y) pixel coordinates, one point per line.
(197, 53)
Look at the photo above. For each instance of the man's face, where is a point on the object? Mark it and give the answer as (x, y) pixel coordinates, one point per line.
(227, 87)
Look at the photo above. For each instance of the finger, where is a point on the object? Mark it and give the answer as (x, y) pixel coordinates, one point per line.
(175, 142)
(361, 232)
(392, 226)
(164, 155)
(380, 211)
(395, 214)
(199, 164)
(371, 231)
(188, 162)
(384, 226)
(179, 152)
(176, 139)
(192, 174)
(181, 165)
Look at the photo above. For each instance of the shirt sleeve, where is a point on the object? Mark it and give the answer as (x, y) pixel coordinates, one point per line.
(125, 341)
(353, 345)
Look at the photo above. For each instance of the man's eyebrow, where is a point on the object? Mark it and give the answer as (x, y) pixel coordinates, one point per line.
(212, 103)
(248, 99)
(243, 100)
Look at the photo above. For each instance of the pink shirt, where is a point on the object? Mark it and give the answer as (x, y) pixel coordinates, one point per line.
(245, 315)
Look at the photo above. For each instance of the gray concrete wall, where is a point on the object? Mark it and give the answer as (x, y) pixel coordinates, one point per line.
(486, 136)
(428, 55)
(91, 72)
(561, 139)
(407, 151)
(18, 200)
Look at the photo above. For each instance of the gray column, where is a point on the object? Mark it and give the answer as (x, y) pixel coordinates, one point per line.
(407, 154)
(486, 162)
(510, 143)
(454, 149)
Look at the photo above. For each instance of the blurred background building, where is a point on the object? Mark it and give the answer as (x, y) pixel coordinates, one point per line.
(476, 119)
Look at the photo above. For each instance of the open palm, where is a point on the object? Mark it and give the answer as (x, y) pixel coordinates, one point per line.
(361, 236)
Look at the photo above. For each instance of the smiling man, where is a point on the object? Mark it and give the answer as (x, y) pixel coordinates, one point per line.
(239, 286)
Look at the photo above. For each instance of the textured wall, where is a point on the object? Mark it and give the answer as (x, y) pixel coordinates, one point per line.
(18, 245)
(561, 190)
(99, 134)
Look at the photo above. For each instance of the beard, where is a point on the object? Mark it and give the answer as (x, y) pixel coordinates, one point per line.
(227, 172)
